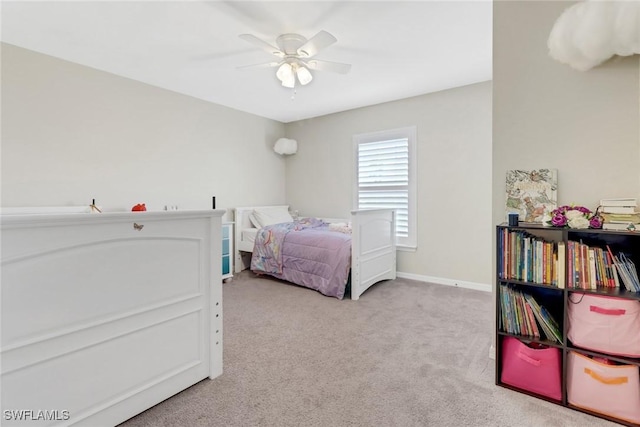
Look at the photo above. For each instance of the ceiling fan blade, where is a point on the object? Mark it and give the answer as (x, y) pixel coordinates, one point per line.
(334, 67)
(315, 44)
(264, 65)
(262, 44)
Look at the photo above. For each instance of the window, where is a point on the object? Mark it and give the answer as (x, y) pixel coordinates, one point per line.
(385, 177)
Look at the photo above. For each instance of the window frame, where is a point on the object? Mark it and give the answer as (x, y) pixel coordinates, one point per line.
(409, 133)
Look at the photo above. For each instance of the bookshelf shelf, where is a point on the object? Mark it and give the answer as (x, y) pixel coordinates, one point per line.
(612, 292)
(531, 284)
(528, 254)
(619, 359)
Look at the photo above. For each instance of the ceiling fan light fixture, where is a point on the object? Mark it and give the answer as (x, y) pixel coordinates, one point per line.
(304, 75)
(289, 83)
(296, 53)
(285, 72)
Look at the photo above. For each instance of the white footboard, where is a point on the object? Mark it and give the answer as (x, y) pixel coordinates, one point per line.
(105, 315)
(373, 248)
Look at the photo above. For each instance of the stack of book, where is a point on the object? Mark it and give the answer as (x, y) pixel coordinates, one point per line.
(627, 270)
(620, 214)
(521, 314)
(530, 258)
(590, 267)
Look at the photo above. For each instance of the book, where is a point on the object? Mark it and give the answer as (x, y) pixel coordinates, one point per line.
(592, 268)
(527, 250)
(628, 273)
(504, 310)
(584, 265)
(547, 322)
(570, 268)
(561, 265)
(551, 323)
(528, 329)
(616, 279)
(532, 319)
(521, 320)
(601, 268)
(507, 309)
(622, 217)
(620, 226)
(617, 209)
(612, 275)
(623, 201)
(530, 193)
(626, 269)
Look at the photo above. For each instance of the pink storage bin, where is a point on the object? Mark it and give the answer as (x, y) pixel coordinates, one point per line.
(606, 324)
(535, 370)
(612, 390)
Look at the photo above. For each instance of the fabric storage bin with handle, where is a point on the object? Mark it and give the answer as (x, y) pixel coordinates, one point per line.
(534, 369)
(606, 324)
(612, 390)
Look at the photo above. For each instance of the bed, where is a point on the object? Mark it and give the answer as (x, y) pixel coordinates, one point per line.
(362, 249)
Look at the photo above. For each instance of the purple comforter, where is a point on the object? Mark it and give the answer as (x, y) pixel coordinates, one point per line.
(306, 253)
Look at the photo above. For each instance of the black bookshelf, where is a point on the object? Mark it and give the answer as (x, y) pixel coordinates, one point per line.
(619, 241)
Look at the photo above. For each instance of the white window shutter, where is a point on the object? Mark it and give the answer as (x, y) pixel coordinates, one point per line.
(385, 177)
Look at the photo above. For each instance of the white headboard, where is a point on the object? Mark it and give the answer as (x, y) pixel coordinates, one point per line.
(243, 222)
(242, 215)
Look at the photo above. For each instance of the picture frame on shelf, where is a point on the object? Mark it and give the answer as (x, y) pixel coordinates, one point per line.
(531, 193)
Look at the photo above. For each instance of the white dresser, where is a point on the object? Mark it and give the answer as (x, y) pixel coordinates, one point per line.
(105, 315)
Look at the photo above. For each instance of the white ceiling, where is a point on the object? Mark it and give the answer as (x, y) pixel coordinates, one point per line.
(397, 49)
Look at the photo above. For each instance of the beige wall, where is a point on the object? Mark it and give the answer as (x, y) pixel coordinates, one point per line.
(546, 114)
(72, 133)
(454, 176)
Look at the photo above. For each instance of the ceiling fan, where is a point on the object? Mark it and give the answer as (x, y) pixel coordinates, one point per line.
(296, 57)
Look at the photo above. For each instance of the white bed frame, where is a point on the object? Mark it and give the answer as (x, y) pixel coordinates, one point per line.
(373, 245)
(105, 315)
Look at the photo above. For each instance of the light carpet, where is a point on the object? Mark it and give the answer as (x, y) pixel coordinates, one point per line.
(407, 353)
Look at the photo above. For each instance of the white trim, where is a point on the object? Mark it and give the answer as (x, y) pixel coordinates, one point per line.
(492, 352)
(448, 282)
(23, 210)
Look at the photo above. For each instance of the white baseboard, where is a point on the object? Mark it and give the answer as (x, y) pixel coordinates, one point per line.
(448, 282)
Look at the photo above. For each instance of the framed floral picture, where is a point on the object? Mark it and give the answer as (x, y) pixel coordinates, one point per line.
(531, 193)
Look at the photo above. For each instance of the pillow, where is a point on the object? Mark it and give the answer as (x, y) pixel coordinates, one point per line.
(342, 227)
(253, 220)
(270, 215)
